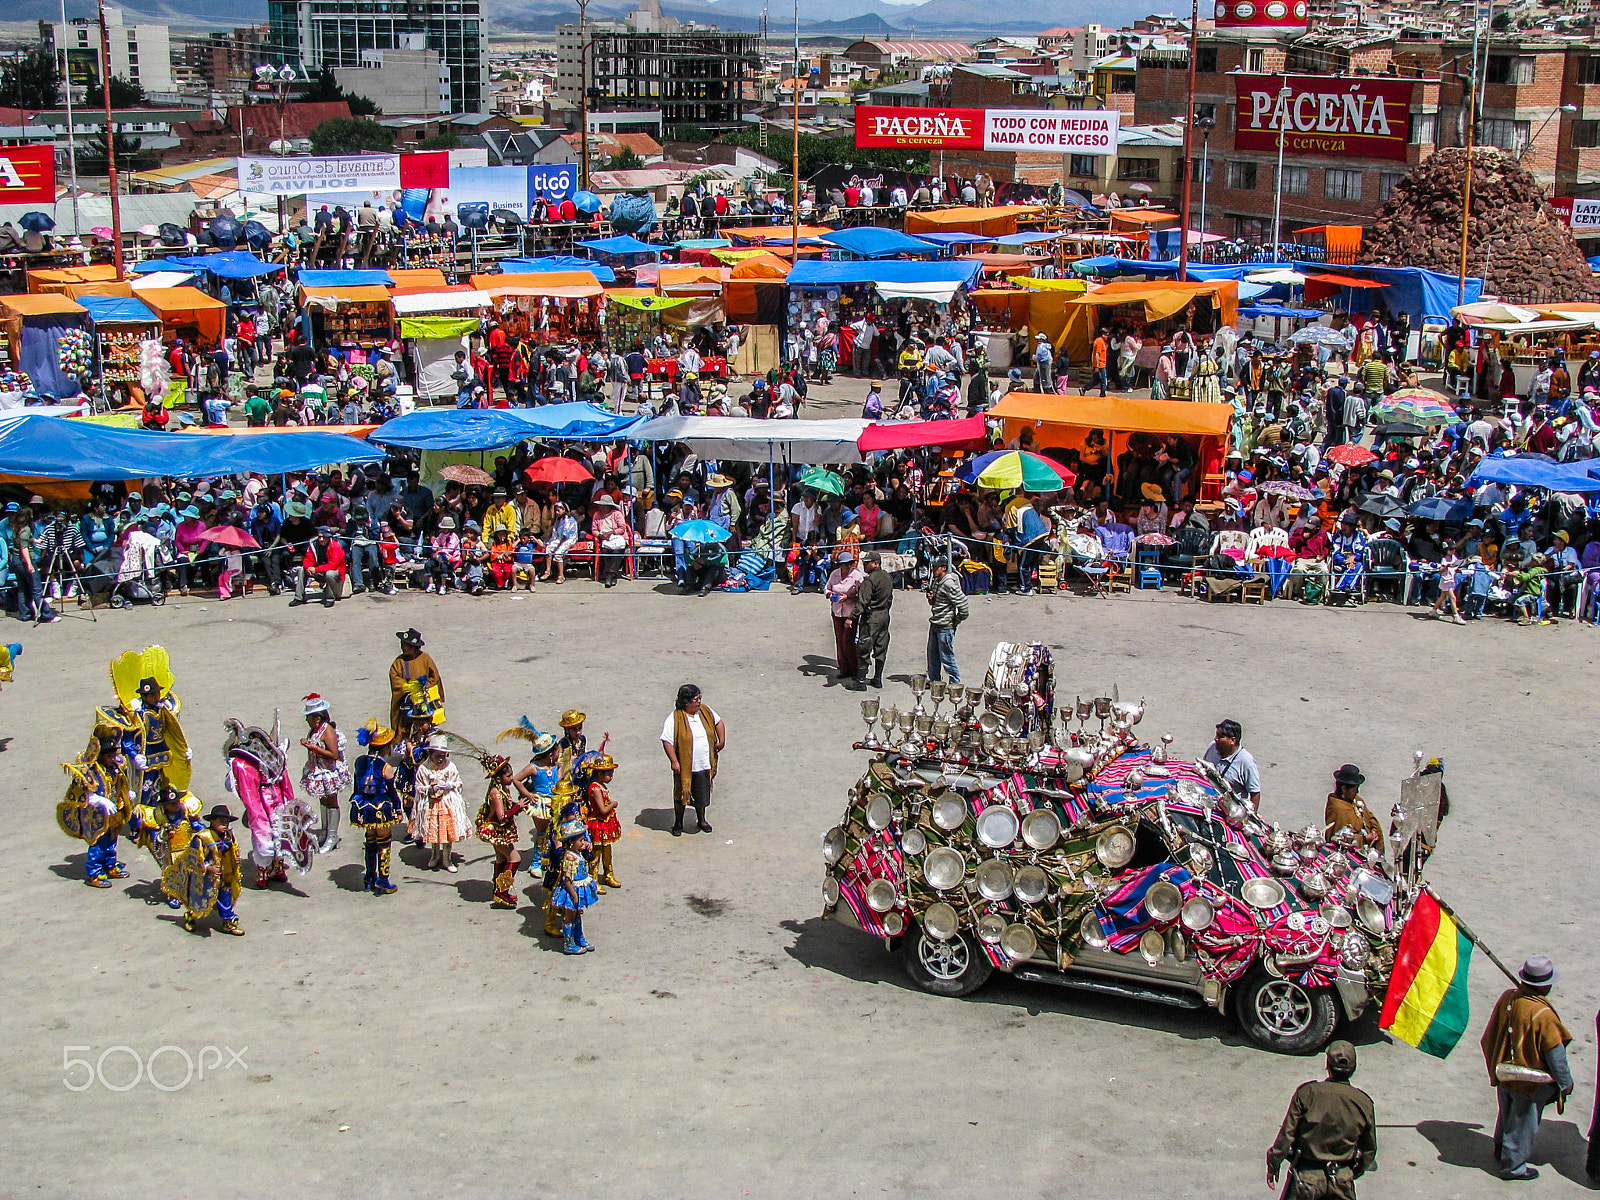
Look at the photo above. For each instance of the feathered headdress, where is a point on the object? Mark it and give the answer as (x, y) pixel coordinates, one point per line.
(524, 729)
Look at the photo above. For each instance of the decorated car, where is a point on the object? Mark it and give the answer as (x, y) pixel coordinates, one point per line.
(994, 832)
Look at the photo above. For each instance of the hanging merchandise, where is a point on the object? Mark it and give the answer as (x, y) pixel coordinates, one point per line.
(75, 351)
(155, 372)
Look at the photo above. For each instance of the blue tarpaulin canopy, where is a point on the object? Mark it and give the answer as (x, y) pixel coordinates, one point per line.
(230, 264)
(1097, 265)
(819, 273)
(871, 242)
(1535, 472)
(1028, 239)
(703, 244)
(117, 310)
(557, 262)
(62, 448)
(497, 428)
(1280, 310)
(622, 243)
(309, 279)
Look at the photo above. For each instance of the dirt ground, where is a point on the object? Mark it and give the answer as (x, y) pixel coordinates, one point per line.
(724, 1040)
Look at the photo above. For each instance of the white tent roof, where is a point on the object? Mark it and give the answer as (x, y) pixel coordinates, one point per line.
(160, 279)
(744, 439)
(431, 302)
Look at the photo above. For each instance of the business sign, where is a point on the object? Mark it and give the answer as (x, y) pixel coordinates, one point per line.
(880, 127)
(83, 67)
(1580, 216)
(302, 176)
(1040, 130)
(491, 187)
(27, 175)
(1051, 130)
(1363, 116)
(557, 181)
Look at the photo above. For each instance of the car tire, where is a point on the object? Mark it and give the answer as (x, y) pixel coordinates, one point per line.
(957, 967)
(1284, 1016)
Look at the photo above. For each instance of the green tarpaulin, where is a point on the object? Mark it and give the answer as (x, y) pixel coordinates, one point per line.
(437, 327)
(651, 303)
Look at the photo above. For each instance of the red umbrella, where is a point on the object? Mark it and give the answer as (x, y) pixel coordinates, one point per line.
(229, 535)
(1351, 455)
(557, 470)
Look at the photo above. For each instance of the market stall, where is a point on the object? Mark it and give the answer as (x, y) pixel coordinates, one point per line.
(994, 222)
(418, 278)
(433, 326)
(841, 289)
(188, 313)
(348, 315)
(1212, 302)
(119, 326)
(1051, 313)
(744, 439)
(546, 307)
(40, 328)
(61, 279)
(1065, 422)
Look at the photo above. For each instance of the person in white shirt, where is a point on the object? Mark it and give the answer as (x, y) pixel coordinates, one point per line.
(692, 736)
(1236, 765)
(689, 361)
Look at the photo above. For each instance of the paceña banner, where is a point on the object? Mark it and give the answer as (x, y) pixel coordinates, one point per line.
(1039, 130)
(1363, 116)
(27, 175)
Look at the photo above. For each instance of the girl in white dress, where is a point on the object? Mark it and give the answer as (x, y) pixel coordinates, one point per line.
(439, 814)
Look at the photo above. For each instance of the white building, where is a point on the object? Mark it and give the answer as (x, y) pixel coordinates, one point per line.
(406, 82)
(140, 54)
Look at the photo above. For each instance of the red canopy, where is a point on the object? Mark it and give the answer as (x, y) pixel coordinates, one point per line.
(969, 433)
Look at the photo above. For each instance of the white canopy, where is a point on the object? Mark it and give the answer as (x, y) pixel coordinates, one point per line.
(940, 291)
(432, 302)
(1278, 276)
(160, 279)
(744, 439)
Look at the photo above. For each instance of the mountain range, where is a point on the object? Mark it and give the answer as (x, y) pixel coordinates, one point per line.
(862, 18)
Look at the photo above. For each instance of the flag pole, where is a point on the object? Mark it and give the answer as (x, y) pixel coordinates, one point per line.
(1470, 936)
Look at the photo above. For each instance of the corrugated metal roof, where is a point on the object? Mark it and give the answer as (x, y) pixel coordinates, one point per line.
(924, 51)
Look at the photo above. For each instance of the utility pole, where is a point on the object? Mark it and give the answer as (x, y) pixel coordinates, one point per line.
(583, 95)
(72, 129)
(1188, 147)
(111, 146)
(794, 146)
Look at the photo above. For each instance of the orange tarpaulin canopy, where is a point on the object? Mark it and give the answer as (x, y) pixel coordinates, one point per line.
(670, 275)
(53, 279)
(429, 290)
(571, 284)
(374, 293)
(760, 266)
(430, 278)
(1343, 281)
(758, 233)
(1015, 264)
(1163, 298)
(39, 304)
(1343, 242)
(186, 305)
(1141, 216)
(101, 287)
(994, 221)
(1117, 413)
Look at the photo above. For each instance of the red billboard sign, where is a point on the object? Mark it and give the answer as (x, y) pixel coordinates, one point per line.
(1361, 116)
(919, 128)
(27, 175)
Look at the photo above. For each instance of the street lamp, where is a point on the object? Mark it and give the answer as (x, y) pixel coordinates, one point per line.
(279, 77)
(1565, 108)
(1205, 125)
(1284, 93)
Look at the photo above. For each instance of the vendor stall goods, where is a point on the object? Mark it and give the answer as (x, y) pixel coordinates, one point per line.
(995, 830)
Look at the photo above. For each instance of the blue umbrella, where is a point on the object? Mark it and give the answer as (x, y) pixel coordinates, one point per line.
(700, 531)
(586, 202)
(37, 222)
(1441, 508)
(1318, 335)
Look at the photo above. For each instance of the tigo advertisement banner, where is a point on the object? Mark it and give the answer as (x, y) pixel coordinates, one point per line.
(557, 182)
(1362, 116)
(302, 176)
(27, 175)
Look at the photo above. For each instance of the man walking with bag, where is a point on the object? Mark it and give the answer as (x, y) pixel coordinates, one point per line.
(1525, 1049)
(947, 608)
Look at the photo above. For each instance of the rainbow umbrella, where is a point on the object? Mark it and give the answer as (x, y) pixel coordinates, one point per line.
(1011, 469)
(1418, 406)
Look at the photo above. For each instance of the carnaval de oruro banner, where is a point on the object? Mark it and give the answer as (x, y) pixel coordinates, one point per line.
(1322, 115)
(27, 175)
(1044, 130)
(298, 176)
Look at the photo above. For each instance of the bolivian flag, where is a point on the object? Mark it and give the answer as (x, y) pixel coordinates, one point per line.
(1426, 1005)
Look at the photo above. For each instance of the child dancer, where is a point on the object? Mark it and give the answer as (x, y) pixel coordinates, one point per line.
(438, 814)
(326, 773)
(375, 805)
(600, 814)
(497, 825)
(575, 890)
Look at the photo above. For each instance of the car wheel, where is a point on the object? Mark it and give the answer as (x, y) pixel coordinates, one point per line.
(957, 967)
(1284, 1016)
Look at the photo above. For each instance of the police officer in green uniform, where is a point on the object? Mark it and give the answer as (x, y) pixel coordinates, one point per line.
(1329, 1136)
(876, 597)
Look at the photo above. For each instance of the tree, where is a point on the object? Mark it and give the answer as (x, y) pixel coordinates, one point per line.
(325, 89)
(31, 80)
(131, 156)
(439, 141)
(623, 160)
(692, 134)
(350, 135)
(124, 94)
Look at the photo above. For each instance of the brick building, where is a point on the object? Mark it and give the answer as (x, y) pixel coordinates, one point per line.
(1332, 180)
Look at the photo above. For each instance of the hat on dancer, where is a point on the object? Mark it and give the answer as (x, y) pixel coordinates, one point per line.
(373, 734)
(221, 812)
(493, 764)
(314, 704)
(437, 744)
(410, 637)
(572, 717)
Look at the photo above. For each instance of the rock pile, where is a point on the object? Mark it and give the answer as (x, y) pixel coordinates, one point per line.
(1517, 241)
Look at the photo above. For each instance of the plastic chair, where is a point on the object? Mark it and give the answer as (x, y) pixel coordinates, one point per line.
(1148, 574)
(1386, 566)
